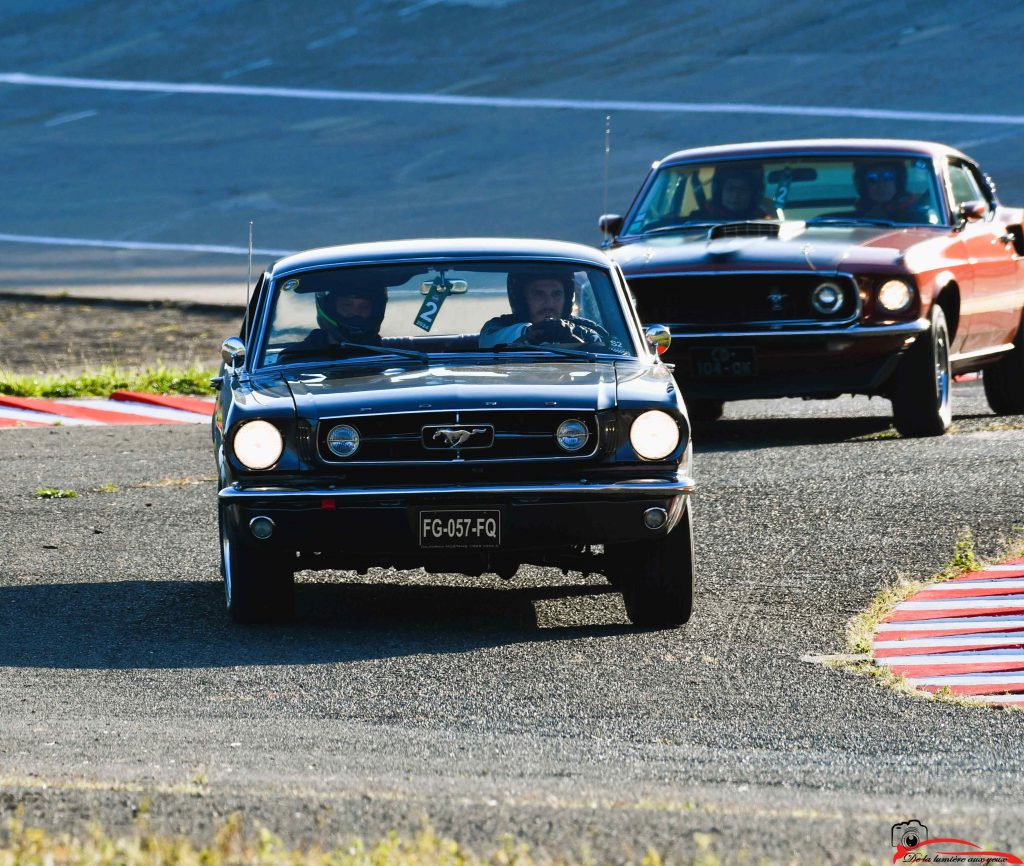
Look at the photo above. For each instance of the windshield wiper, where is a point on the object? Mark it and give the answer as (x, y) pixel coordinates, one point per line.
(678, 227)
(557, 350)
(848, 221)
(332, 350)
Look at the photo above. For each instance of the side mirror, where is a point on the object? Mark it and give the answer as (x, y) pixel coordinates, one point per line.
(610, 224)
(233, 352)
(972, 211)
(659, 337)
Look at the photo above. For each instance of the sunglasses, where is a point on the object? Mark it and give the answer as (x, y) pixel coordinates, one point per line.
(879, 176)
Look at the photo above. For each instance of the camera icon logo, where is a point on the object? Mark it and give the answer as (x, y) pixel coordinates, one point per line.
(909, 834)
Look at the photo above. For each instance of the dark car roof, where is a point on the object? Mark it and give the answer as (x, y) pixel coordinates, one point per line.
(929, 149)
(442, 248)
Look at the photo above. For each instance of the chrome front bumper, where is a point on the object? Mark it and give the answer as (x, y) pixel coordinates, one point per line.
(856, 332)
(657, 488)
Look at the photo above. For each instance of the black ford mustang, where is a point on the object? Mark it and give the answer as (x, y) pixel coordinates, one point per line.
(414, 404)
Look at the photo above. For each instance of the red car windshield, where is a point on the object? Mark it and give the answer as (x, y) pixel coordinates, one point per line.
(895, 190)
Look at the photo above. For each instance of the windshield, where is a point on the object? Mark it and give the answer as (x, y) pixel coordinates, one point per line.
(413, 310)
(874, 189)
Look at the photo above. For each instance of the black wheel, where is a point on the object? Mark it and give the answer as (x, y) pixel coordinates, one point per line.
(259, 583)
(1004, 380)
(704, 412)
(656, 577)
(921, 395)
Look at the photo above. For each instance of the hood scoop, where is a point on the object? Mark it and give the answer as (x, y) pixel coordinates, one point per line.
(746, 229)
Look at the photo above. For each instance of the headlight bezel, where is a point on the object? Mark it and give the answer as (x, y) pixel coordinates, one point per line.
(647, 427)
(242, 447)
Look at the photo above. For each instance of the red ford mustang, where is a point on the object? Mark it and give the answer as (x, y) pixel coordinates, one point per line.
(824, 267)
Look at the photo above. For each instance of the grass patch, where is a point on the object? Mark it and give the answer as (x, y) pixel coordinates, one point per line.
(106, 380)
(234, 846)
(55, 493)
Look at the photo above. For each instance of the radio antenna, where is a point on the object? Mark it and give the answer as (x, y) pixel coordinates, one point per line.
(248, 287)
(607, 151)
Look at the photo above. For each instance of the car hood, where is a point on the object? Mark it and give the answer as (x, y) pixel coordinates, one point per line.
(798, 246)
(457, 386)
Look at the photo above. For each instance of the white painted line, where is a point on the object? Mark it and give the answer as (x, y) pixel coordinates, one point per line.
(955, 624)
(960, 585)
(980, 603)
(126, 407)
(43, 417)
(981, 657)
(1019, 566)
(1009, 679)
(999, 699)
(952, 641)
(506, 101)
(47, 240)
(70, 118)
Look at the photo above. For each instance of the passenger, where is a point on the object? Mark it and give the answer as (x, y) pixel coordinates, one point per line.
(350, 313)
(541, 303)
(882, 190)
(737, 193)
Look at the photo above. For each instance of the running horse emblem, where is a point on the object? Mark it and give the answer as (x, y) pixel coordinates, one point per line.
(457, 436)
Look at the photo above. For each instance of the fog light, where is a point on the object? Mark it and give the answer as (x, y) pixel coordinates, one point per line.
(261, 527)
(655, 518)
(572, 435)
(827, 298)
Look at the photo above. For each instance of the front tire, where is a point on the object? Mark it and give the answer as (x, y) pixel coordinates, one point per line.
(656, 577)
(922, 396)
(259, 583)
(1004, 380)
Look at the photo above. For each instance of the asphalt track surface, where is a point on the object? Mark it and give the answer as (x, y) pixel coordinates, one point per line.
(484, 707)
(528, 707)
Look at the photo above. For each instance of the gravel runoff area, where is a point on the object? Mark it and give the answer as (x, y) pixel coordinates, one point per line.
(528, 707)
(64, 335)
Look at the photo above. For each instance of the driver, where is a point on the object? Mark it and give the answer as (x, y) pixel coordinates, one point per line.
(351, 312)
(737, 193)
(542, 304)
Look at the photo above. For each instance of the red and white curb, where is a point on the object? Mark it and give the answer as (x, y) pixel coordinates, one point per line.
(966, 634)
(123, 407)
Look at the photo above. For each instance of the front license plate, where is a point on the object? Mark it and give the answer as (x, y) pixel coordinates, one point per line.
(724, 362)
(460, 528)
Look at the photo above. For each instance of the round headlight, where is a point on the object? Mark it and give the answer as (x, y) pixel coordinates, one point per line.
(654, 435)
(343, 440)
(572, 435)
(895, 296)
(258, 445)
(827, 298)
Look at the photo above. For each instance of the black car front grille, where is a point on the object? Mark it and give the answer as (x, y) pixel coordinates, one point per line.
(727, 300)
(496, 435)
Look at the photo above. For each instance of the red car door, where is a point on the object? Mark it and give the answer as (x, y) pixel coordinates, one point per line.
(990, 311)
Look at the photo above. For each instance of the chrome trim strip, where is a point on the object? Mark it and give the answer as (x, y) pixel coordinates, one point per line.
(681, 485)
(909, 329)
(980, 353)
